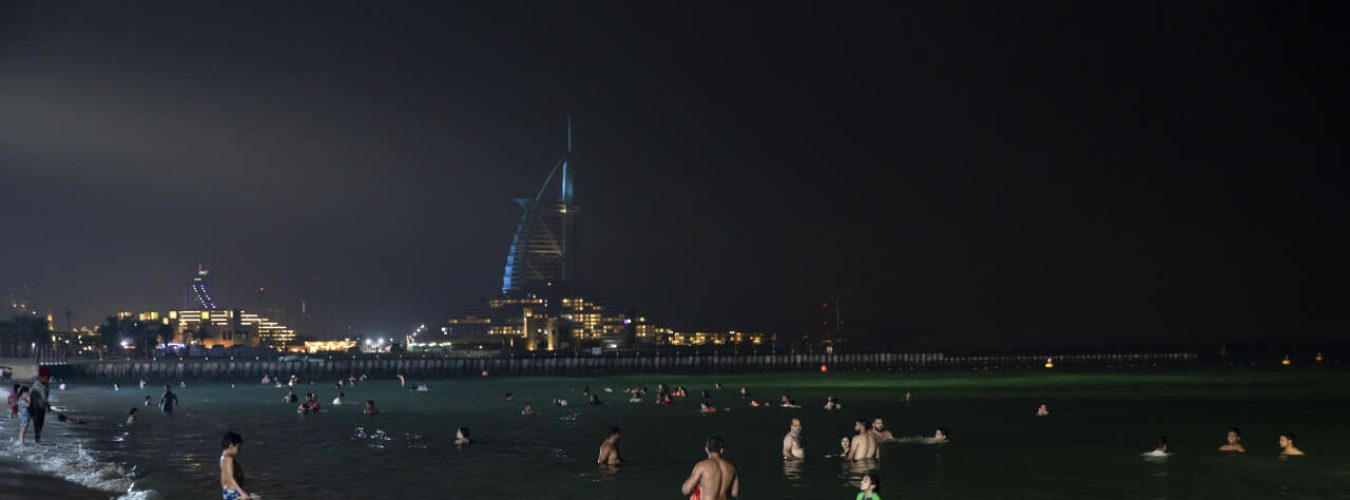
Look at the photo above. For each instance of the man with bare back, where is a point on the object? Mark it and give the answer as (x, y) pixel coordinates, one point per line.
(714, 478)
(863, 446)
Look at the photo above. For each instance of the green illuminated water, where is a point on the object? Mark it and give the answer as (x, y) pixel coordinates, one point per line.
(1088, 448)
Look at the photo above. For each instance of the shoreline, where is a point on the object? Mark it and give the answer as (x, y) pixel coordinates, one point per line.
(63, 466)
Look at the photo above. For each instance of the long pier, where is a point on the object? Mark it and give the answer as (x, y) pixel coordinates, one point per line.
(542, 365)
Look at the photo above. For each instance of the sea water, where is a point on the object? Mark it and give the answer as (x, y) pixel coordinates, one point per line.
(1089, 446)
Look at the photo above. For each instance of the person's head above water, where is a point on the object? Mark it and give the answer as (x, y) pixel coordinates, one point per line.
(878, 424)
(614, 432)
(795, 425)
(462, 432)
(714, 445)
(942, 434)
(1162, 444)
(1287, 440)
(1234, 436)
(231, 440)
(860, 425)
(167, 387)
(870, 483)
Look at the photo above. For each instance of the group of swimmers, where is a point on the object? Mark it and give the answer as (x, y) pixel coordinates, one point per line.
(1233, 444)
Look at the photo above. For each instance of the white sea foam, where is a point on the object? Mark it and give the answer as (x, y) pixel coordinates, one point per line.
(68, 459)
(74, 463)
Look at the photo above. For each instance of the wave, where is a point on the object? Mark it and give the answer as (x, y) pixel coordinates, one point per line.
(68, 459)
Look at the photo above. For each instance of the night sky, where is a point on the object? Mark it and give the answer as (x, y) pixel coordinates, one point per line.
(1002, 174)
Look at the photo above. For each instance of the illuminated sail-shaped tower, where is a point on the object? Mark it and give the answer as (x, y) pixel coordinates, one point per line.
(198, 294)
(541, 250)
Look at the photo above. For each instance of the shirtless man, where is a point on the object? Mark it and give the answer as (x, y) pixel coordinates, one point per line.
(230, 472)
(1234, 443)
(863, 446)
(609, 450)
(714, 478)
(792, 442)
(879, 431)
(1287, 448)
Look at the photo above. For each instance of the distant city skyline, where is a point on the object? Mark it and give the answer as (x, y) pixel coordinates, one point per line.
(1008, 175)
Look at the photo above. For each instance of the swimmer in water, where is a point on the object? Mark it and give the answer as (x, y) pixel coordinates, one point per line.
(870, 487)
(462, 436)
(147, 401)
(559, 402)
(908, 397)
(1042, 410)
(527, 410)
(941, 435)
(510, 397)
(595, 400)
(1234, 443)
(131, 416)
(787, 402)
(143, 382)
(745, 392)
(832, 404)
(792, 442)
(338, 399)
(401, 381)
(862, 446)
(879, 431)
(717, 385)
(844, 444)
(115, 387)
(609, 450)
(714, 478)
(1159, 450)
(706, 407)
(231, 474)
(370, 408)
(290, 397)
(1287, 448)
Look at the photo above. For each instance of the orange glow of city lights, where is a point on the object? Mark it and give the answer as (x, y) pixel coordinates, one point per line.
(824, 368)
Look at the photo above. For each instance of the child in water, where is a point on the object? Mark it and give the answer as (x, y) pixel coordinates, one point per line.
(870, 486)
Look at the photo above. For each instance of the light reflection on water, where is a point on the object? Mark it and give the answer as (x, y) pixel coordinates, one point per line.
(1001, 450)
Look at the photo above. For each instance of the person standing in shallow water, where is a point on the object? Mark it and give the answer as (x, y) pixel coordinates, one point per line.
(231, 474)
(792, 442)
(609, 450)
(168, 400)
(39, 402)
(714, 478)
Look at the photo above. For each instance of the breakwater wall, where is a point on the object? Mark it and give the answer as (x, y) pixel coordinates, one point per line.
(324, 367)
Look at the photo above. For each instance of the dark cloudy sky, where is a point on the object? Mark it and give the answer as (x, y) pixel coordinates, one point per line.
(999, 174)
